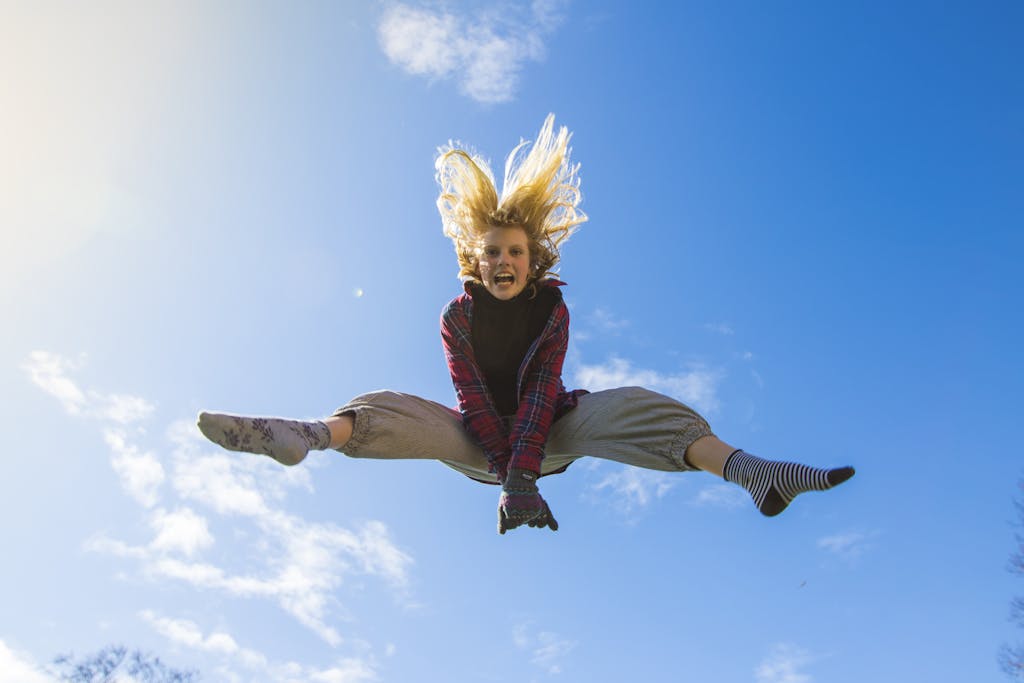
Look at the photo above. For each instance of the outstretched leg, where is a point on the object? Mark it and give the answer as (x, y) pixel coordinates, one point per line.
(772, 485)
(287, 441)
(383, 425)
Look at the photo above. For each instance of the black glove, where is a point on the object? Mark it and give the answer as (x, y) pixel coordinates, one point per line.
(521, 503)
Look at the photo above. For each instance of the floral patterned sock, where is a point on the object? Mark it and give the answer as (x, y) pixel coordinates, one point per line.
(286, 441)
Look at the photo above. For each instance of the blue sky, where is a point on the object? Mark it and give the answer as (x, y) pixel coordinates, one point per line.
(805, 221)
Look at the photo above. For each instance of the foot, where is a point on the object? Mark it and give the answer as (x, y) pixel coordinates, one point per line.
(774, 485)
(286, 441)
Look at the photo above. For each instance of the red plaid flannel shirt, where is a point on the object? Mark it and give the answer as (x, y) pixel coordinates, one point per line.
(542, 396)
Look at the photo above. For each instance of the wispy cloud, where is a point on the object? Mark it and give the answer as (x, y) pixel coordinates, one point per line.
(849, 545)
(600, 322)
(299, 564)
(783, 664)
(49, 372)
(719, 328)
(141, 474)
(16, 667)
(628, 489)
(484, 53)
(187, 633)
(728, 496)
(605, 321)
(348, 670)
(180, 532)
(697, 387)
(547, 649)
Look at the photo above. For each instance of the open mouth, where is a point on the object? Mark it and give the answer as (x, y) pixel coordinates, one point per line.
(504, 279)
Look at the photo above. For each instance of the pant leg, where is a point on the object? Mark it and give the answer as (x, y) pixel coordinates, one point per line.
(392, 425)
(630, 425)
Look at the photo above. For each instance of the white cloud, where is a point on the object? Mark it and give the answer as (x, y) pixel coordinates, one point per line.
(16, 667)
(551, 650)
(110, 546)
(300, 564)
(303, 564)
(181, 531)
(547, 649)
(49, 371)
(484, 54)
(727, 496)
(220, 481)
(782, 665)
(349, 670)
(141, 474)
(697, 388)
(548, 14)
(849, 545)
(305, 561)
(380, 556)
(422, 42)
(187, 633)
(303, 594)
(122, 409)
(632, 487)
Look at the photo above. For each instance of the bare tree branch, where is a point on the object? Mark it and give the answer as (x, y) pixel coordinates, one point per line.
(113, 663)
(1011, 658)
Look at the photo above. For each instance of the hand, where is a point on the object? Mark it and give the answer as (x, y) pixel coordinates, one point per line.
(521, 503)
(545, 520)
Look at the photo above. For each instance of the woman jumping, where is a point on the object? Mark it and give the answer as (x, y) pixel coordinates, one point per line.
(505, 339)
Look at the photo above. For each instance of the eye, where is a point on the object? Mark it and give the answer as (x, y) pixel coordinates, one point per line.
(491, 251)
(516, 251)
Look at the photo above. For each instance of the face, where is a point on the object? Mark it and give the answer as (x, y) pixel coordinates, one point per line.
(504, 261)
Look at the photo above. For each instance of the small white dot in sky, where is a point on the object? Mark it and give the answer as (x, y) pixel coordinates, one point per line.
(357, 292)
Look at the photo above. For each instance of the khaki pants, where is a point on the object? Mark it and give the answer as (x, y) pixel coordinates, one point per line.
(630, 425)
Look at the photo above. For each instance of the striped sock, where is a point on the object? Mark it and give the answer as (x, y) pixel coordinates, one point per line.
(774, 485)
(286, 441)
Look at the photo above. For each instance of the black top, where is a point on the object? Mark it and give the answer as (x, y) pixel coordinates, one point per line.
(502, 334)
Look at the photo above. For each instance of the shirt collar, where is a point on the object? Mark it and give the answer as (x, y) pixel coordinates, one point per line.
(546, 282)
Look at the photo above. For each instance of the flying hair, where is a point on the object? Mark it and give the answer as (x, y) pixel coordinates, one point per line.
(540, 193)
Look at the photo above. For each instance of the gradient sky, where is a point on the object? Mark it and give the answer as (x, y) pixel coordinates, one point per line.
(805, 221)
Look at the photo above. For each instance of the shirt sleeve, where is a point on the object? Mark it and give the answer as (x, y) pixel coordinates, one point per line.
(541, 387)
(479, 416)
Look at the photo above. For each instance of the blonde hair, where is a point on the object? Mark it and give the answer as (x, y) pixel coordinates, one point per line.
(540, 193)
